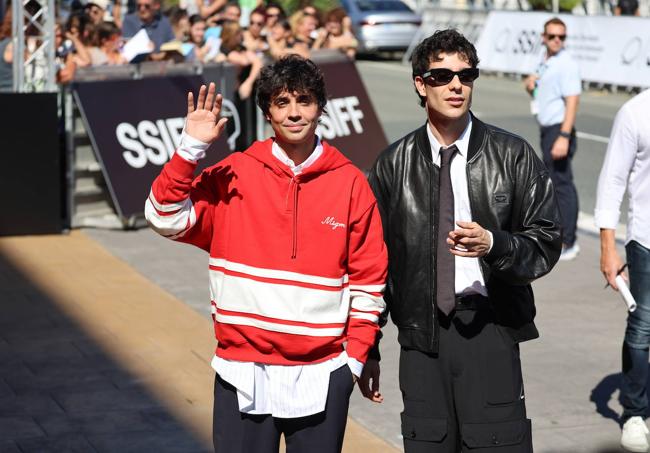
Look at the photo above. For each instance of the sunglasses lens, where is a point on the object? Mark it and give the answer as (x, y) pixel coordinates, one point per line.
(444, 76)
(468, 75)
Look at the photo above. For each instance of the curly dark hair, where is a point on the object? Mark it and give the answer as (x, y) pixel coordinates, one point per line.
(290, 73)
(447, 41)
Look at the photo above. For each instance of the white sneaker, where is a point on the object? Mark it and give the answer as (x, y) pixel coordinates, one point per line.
(570, 253)
(634, 435)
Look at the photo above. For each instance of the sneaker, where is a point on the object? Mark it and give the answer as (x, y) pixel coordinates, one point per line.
(570, 253)
(634, 435)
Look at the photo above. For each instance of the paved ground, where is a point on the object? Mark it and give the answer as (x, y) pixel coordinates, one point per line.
(94, 357)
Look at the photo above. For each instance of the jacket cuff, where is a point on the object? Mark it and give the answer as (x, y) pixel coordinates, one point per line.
(499, 248)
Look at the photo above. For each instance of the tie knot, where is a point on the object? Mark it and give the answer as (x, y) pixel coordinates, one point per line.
(446, 154)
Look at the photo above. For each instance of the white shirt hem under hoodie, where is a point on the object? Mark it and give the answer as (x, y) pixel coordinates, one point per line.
(283, 391)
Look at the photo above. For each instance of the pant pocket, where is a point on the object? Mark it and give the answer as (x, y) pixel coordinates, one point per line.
(423, 429)
(501, 370)
(511, 436)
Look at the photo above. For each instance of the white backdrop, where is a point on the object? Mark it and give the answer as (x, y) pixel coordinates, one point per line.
(608, 49)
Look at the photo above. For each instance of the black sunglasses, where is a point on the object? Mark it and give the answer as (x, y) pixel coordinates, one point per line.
(143, 5)
(442, 76)
(552, 37)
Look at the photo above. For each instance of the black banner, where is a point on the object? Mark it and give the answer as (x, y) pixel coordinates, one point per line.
(135, 127)
(350, 122)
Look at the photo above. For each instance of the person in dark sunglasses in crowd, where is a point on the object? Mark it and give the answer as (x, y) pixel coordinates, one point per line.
(273, 13)
(555, 88)
(254, 40)
(147, 16)
(470, 220)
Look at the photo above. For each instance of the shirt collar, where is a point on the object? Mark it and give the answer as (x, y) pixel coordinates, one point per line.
(297, 169)
(462, 143)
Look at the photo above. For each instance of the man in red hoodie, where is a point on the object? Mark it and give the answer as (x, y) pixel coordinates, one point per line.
(297, 265)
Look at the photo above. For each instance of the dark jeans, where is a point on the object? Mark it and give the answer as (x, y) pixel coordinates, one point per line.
(562, 177)
(235, 432)
(634, 396)
(470, 396)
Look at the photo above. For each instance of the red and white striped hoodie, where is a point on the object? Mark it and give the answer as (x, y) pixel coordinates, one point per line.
(297, 262)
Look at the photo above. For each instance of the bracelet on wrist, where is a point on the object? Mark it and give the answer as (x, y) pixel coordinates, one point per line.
(565, 134)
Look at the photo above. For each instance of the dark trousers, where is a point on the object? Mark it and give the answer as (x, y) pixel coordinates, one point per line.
(634, 396)
(562, 177)
(469, 397)
(235, 432)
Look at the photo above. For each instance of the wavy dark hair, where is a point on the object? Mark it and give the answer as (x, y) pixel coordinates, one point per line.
(290, 73)
(447, 41)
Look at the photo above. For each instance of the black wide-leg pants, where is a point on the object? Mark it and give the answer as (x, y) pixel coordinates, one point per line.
(469, 397)
(235, 432)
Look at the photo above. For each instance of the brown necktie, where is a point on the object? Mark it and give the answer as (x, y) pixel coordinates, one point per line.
(445, 261)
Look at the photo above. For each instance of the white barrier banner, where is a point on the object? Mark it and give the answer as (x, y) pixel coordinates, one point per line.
(608, 49)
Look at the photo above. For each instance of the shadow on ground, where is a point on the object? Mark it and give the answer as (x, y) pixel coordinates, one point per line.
(602, 394)
(61, 392)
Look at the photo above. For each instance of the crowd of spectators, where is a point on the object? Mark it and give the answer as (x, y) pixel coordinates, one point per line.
(101, 32)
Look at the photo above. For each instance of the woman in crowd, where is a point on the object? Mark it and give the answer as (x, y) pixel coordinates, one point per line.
(180, 22)
(303, 26)
(108, 41)
(281, 41)
(273, 13)
(197, 37)
(253, 38)
(233, 51)
(79, 33)
(335, 36)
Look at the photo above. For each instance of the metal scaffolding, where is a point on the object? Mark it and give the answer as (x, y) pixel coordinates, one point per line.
(33, 37)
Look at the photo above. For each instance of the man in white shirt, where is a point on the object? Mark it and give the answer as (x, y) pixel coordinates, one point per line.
(627, 164)
(555, 88)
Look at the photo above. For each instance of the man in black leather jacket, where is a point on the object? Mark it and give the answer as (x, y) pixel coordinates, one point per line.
(460, 373)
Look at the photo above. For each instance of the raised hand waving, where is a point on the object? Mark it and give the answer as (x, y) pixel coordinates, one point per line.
(204, 122)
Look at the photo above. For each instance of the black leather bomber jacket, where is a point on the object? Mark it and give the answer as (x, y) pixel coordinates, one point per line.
(511, 195)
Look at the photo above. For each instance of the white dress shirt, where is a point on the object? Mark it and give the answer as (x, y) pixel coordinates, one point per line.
(469, 278)
(284, 391)
(627, 163)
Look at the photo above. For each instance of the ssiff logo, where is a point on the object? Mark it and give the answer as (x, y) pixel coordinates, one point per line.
(333, 223)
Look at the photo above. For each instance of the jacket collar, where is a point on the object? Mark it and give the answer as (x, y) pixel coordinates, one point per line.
(475, 140)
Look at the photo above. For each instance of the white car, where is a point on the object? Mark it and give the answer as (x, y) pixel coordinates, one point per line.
(382, 25)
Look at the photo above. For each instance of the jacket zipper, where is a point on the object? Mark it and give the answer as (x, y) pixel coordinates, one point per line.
(293, 188)
(471, 207)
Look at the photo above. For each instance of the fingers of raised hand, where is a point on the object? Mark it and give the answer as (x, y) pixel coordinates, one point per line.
(209, 100)
(220, 125)
(216, 108)
(190, 102)
(200, 101)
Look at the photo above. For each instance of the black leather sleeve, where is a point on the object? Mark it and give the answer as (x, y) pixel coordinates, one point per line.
(380, 179)
(534, 246)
